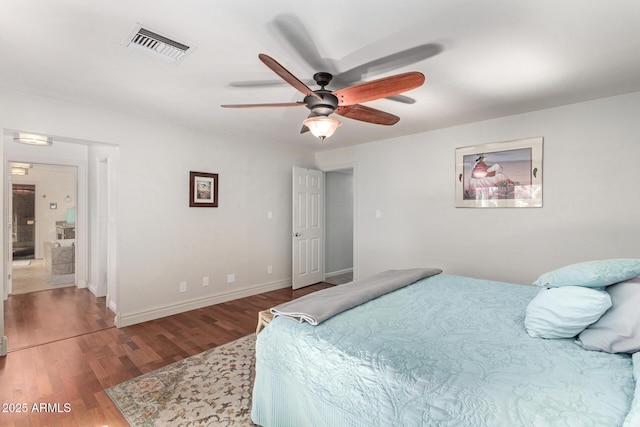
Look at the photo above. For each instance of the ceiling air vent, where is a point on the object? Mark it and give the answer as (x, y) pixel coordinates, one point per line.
(157, 45)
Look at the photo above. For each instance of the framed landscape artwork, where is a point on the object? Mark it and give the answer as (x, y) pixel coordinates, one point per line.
(500, 174)
(203, 190)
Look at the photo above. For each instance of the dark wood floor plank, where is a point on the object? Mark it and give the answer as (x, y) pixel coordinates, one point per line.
(77, 370)
(39, 317)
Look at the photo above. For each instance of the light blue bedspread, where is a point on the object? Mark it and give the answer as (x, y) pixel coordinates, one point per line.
(445, 351)
(319, 306)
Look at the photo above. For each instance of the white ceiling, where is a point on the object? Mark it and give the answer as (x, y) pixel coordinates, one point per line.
(488, 58)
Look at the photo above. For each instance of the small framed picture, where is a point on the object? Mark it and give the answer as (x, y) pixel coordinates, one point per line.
(500, 174)
(203, 190)
(53, 206)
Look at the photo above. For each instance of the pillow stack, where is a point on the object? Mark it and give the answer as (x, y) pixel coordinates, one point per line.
(597, 301)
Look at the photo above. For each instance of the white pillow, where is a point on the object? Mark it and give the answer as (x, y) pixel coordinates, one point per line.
(618, 330)
(564, 312)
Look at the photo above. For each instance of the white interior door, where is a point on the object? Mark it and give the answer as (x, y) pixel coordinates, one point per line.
(308, 227)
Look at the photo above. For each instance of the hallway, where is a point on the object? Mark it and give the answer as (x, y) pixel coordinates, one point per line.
(30, 275)
(39, 313)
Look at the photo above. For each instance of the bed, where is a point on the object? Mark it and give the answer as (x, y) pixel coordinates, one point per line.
(443, 351)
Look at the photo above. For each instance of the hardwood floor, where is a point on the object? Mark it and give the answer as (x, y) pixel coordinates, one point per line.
(340, 279)
(46, 316)
(76, 371)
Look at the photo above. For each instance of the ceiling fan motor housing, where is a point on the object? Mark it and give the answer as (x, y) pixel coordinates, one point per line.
(322, 78)
(322, 106)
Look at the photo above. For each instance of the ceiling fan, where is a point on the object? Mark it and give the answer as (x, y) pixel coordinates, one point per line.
(345, 102)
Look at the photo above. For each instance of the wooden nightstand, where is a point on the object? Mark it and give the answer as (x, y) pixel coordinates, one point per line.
(264, 318)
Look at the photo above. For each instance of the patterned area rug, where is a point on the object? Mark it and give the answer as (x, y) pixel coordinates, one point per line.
(212, 388)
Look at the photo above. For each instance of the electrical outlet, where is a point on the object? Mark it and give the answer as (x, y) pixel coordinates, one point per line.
(205, 281)
(269, 269)
(183, 286)
(231, 278)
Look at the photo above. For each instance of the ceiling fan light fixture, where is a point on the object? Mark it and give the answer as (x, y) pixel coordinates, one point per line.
(32, 139)
(20, 168)
(322, 126)
(19, 171)
(21, 165)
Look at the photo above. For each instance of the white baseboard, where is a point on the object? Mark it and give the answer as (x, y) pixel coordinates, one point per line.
(339, 272)
(123, 320)
(3, 346)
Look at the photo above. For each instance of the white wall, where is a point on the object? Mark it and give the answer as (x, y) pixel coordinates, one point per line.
(160, 240)
(338, 222)
(590, 202)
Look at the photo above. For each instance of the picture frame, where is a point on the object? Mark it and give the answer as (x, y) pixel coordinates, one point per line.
(203, 190)
(500, 174)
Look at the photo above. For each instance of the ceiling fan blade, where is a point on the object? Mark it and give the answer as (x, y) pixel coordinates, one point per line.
(402, 98)
(380, 88)
(280, 104)
(390, 62)
(257, 83)
(291, 29)
(367, 114)
(286, 75)
(337, 81)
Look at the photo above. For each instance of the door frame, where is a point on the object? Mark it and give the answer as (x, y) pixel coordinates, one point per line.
(103, 262)
(81, 252)
(354, 167)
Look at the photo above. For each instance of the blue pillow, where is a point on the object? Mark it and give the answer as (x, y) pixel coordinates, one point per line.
(564, 312)
(591, 274)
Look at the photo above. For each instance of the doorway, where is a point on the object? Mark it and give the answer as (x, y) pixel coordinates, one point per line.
(339, 226)
(336, 224)
(46, 301)
(24, 218)
(76, 154)
(43, 228)
(28, 273)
